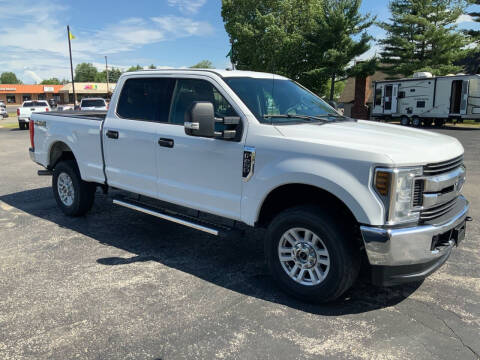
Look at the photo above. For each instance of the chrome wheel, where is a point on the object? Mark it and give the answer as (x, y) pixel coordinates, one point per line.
(304, 256)
(65, 189)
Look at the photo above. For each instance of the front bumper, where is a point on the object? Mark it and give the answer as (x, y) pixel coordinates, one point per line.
(408, 254)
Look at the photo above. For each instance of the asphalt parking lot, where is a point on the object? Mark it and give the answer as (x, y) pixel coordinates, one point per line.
(117, 284)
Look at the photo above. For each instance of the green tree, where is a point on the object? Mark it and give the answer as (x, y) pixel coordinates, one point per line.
(311, 41)
(135, 68)
(51, 81)
(86, 72)
(9, 78)
(475, 34)
(152, 66)
(204, 64)
(422, 36)
(114, 74)
(337, 37)
(268, 35)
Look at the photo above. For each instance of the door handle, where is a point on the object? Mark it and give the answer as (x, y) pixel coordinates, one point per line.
(166, 142)
(112, 134)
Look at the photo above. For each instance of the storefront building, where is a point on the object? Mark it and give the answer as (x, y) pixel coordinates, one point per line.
(16, 94)
(84, 89)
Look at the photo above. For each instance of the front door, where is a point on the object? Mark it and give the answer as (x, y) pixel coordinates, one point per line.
(130, 136)
(390, 99)
(464, 99)
(200, 173)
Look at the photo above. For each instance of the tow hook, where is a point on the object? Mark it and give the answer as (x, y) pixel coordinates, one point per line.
(468, 218)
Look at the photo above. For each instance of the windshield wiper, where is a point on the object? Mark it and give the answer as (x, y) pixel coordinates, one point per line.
(293, 116)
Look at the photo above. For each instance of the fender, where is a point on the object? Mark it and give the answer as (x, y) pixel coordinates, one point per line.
(319, 173)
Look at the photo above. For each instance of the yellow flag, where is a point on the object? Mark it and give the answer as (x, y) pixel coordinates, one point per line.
(71, 36)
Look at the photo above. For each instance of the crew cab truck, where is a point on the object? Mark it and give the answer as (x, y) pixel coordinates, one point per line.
(216, 150)
(25, 112)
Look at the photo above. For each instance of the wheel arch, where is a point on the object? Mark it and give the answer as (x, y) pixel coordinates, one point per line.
(288, 195)
(59, 151)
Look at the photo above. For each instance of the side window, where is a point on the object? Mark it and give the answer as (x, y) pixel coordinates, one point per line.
(146, 99)
(190, 90)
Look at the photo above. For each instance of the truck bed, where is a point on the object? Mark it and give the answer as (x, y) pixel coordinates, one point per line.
(80, 130)
(98, 115)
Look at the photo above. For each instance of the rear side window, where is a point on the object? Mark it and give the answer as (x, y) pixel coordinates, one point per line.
(93, 103)
(189, 91)
(146, 99)
(35, 103)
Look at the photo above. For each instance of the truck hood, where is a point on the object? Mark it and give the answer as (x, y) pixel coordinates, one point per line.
(402, 145)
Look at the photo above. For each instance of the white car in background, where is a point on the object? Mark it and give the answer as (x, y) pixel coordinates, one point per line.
(93, 104)
(27, 109)
(3, 111)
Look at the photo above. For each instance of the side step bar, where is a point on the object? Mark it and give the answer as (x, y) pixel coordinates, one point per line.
(151, 211)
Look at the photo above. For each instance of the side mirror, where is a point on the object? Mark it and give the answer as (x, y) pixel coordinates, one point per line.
(200, 120)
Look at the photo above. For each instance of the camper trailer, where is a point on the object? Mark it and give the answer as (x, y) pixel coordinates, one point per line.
(427, 100)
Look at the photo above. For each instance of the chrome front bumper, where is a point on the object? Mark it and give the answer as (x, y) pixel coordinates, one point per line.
(411, 245)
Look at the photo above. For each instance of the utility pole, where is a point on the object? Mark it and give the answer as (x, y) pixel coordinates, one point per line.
(106, 69)
(71, 66)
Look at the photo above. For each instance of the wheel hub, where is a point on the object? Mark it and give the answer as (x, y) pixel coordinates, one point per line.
(305, 255)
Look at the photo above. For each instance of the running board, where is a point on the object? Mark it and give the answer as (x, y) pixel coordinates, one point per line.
(176, 219)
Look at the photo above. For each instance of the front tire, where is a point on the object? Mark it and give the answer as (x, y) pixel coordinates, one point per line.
(310, 254)
(73, 195)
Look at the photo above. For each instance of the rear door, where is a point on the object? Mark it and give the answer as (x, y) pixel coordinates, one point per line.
(130, 134)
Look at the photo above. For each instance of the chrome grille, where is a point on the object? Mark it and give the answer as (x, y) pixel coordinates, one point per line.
(442, 167)
(418, 192)
(437, 211)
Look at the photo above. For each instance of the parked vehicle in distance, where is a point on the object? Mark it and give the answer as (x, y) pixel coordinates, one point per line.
(3, 111)
(223, 150)
(27, 109)
(2, 103)
(88, 104)
(426, 100)
(52, 102)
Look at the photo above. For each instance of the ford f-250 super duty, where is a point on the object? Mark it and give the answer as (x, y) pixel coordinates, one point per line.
(217, 150)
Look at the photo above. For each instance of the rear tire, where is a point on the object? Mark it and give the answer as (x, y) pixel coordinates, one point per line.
(416, 121)
(21, 125)
(73, 195)
(324, 259)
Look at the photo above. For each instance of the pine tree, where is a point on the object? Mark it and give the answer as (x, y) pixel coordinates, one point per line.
(422, 36)
(338, 37)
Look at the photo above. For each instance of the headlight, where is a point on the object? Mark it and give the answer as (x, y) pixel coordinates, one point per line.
(395, 189)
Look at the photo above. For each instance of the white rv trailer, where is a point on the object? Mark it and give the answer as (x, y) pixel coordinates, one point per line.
(424, 99)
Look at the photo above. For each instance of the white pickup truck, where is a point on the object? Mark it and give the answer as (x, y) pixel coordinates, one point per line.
(29, 107)
(88, 104)
(218, 150)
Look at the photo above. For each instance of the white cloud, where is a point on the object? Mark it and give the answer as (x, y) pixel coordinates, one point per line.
(464, 18)
(187, 6)
(35, 46)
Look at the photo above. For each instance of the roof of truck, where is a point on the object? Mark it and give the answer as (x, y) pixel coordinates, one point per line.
(219, 72)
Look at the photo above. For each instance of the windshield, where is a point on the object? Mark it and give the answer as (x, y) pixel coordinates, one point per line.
(269, 97)
(34, 103)
(93, 103)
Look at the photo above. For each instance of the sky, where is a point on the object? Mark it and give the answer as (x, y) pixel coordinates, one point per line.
(166, 33)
